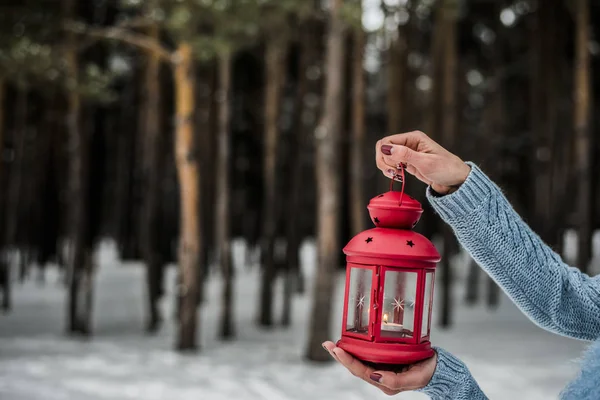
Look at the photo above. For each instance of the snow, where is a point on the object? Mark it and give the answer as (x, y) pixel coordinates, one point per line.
(509, 356)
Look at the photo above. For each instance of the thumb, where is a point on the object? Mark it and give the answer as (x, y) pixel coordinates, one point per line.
(402, 154)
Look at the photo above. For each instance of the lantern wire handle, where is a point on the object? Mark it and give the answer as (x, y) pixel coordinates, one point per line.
(399, 176)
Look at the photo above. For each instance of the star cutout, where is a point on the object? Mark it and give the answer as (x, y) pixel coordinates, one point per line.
(398, 304)
(369, 239)
(410, 243)
(376, 220)
(361, 302)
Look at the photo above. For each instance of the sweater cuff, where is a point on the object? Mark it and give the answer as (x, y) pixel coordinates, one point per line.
(449, 377)
(469, 196)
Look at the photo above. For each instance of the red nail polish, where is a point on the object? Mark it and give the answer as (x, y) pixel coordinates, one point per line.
(386, 149)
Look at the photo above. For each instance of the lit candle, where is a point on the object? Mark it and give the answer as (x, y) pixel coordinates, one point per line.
(385, 318)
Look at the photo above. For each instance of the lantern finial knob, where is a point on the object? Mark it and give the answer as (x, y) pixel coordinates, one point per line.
(386, 211)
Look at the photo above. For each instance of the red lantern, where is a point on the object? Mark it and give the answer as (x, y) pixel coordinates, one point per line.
(389, 285)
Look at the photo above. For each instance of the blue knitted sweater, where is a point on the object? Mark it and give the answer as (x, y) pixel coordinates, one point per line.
(555, 296)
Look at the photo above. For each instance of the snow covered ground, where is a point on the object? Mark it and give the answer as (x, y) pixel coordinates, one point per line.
(510, 357)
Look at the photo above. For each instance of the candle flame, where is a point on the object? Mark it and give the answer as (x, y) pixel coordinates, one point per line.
(385, 318)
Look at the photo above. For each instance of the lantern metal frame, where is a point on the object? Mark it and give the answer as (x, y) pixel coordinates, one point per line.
(394, 214)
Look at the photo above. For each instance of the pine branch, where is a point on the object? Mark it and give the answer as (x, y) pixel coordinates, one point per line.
(126, 36)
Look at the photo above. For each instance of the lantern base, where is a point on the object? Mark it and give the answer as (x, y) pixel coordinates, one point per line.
(386, 353)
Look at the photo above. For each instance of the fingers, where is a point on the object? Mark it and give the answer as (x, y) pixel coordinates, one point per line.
(390, 380)
(411, 377)
(329, 346)
(379, 160)
(394, 154)
(412, 139)
(355, 367)
(360, 370)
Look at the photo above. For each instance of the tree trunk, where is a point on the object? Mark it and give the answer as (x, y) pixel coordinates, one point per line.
(206, 125)
(295, 157)
(188, 177)
(151, 172)
(396, 78)
(328, 186)
(357, 159)
(274, 77)
(4, 268)
(308, 118)
(472, 289)
(493, 298)
(448, 130)
(2, 90)
(222, 223)
(544, 113)
(583, 139)
(80, 268)
(15, 182)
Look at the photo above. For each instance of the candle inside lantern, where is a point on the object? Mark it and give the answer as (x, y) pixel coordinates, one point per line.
(391, 326)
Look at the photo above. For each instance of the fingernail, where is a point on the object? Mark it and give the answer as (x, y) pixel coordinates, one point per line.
(376, 377)
(391, 172)
(386, 149)
(332, 353)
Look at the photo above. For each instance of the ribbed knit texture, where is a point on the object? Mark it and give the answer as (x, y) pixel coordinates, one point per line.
(555, 296)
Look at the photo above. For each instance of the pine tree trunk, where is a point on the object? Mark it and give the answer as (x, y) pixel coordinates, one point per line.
(472, 289)
(493, 298)
(17, 170)
(295, 157)
(430, 224)
(397, 78)
(496, 123)
(357, 159)
(188, 176)
(583, 138)
(206, 117)
(222, 223)
(274, 77)
(448, 130)
(2, 92)
(328, 187)
(151, 172)
(308, 115)
(544, 113)
(80, 271)
(4, 268)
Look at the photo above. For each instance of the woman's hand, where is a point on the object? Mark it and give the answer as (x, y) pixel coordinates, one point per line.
(412, 377)
(424, 158)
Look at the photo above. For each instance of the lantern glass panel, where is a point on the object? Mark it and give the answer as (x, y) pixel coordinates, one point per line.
(427, 302)
(399, 299)
(359, 300)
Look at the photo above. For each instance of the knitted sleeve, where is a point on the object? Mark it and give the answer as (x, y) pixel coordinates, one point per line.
(555, 296)
(452, 380)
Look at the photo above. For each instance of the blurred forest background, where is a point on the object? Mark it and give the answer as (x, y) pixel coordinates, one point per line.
(174, 126)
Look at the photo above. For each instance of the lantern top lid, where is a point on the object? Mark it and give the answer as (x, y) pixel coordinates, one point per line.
(391, 247)
(395, 210)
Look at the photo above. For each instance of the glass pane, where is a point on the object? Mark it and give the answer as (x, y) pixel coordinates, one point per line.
(359, 300)
(398, 311)
(427, 302)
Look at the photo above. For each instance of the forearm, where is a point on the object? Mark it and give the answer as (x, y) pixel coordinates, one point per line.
(553, 295)
(452, 380)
